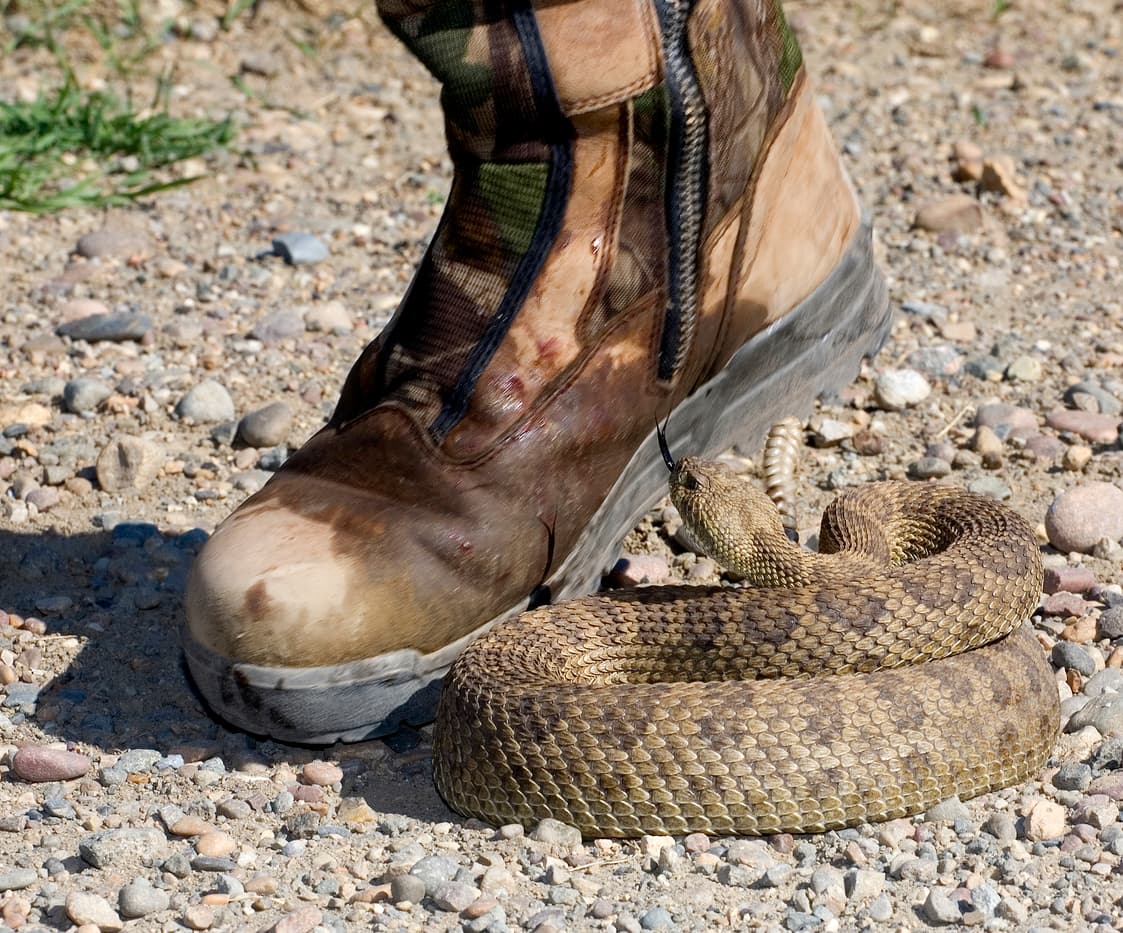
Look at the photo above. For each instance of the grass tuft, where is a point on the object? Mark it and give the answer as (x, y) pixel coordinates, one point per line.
(74, 148)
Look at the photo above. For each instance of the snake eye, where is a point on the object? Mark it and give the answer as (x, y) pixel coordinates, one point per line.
(691, 481)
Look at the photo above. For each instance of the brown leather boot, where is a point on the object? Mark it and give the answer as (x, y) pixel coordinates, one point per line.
(648, 216)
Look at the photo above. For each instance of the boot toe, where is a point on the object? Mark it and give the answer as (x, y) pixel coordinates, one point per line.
(288, 632)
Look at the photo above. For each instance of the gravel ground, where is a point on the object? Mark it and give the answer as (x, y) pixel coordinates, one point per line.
(990, 150)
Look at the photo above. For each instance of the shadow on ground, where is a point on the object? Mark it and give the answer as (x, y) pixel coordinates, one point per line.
(111, 603)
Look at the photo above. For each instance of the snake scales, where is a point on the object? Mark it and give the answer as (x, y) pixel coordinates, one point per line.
(863, 683)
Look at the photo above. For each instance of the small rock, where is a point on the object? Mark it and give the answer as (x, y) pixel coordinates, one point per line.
(929, 468)
(434, 870)
(1045, 448)
(863, 884)
(111, 242)
(927, 310)
(115, 327)
(206, 403)
(1073, 776)
(198, 917)
(278, 326)
(1006, 420)
(1110, 623)
(634, 569)
(1045, 820)
(330, 316)
(37, 765)
(1105, 712)
(1073, 657)
(83, 907)
(84, 394)
(1068, 580)
(139, 898)
(1064, 604)
(658, 918)
(16, 879)
(407, 888)
(940, 909)
(267, 426)
(901, 388)
(128, 463)
(455, 896)
(967, 161)
(43, 498)
(1094, 427)
(302, 920)
(297, 248)
(1076, 457)
(1000, 175)
(215, 844)
(111, 847)
(1024, 369)
(554, 832)
(989, 486)
(321, 773)
(948, 811)
(1090, 396)
(1081, 516)
(959, 213)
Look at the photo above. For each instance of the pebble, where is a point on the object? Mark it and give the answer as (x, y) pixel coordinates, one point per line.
(658, 918)
(929, 468)
(297, 248)
(455, 896)
(83, 907)
(215, 844)
(555, 832)
(302, 920)
(128, 463)
(1110, 623)
(37, 765)
(109, 848)
(84, 395)
(635, 569)
(940, 909)
(139, 899)
(278, 326)
(928, 310)
(1105, 712)
(330, 317)
(407, 888)
(266, 427)
(1024, 369)
(1092, 426)
(948, 811)
(433, 871)
(198, 917)
(1045, 820)
(206, 403)
(959, 213)
(16, 879)
(321, 773)
(114, 327)
(44, 498)
(1068, 579)
(1005, 420)
(1091, 396)
(111, 242)
(1081, 516)
(989, 486)
(1073, 657)
(896, 389)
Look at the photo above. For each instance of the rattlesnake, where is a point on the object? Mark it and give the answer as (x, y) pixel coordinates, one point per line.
(863, 683)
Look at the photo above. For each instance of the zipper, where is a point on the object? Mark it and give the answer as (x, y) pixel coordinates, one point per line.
(686, 185)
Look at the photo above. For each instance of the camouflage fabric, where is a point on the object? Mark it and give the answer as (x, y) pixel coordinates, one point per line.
(512, 148)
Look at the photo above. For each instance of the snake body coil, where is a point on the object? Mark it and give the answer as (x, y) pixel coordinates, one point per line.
(859, 684)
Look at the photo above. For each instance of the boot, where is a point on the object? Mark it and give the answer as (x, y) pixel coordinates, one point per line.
(648, 218)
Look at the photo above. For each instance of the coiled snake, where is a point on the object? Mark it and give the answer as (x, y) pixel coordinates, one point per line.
(863, 683)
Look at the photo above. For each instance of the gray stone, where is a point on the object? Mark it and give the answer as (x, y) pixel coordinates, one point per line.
(881, 910)
(1105, 712)
(297, 248)
(44, 498)
(929, 468)
(454, 896)
(1073, 657)
(275, 327)
(206, 403)
(1110, 623)
(864, 884)
(901, 388)
(114, 327)
(213, 863)
(139, 899)
(948, 811)
(128, 463)
(1024, 369)
(658, 918)
(942, 359)
(109, 242)
(989, 486)
(113, 847)
(1005, 419)
(17, 879)
(1073, 776)
(407, 888)
(84, 394)
(434, 870)
(1090, 396)
(940, 909)
(987, 368)
(1110, 679)
(555, 832)
(139, 759)
(266, 427)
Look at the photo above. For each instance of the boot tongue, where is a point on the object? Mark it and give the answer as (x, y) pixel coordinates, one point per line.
(511, 147)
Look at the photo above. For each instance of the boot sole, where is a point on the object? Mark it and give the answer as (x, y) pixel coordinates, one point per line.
(815, 348)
